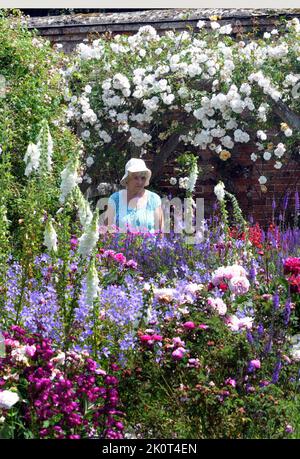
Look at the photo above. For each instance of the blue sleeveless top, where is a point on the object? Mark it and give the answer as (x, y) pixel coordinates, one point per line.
(135, 219)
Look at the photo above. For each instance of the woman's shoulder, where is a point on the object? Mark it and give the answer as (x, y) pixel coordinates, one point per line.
(155, 199)
(115, 196)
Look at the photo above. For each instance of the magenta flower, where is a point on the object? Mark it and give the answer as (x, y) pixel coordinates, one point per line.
(230, 382)
(120, 258)
(178, 341)
(189, 325)
(30, 350)
(254, 365)
(131, 264)
(146, 338)
(178, 354)
(289, 428)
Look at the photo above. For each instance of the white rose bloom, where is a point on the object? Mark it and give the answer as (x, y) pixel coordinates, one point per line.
(89, 161)
(295, 353)
(279, 150)
(267, 155)
(278, 165)
(215, 25)
(288, 132)
(173, 181)
(245, 89)
(226, 29)
(85, 134)
(219, 191)
(267, 35)
(261, 135)
(200, 24)
(121, 82)
(50, 237)
(88, 89)
(183, 182)
(241, 136)
(104, 136)
(139, 137)
(227, 142)
(183, 92)
(8, 399)
(262, 180)
(253, 157)
(167, 98)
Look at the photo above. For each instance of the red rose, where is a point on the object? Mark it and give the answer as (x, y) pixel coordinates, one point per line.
(223, 286)
(294, 282)
(291, 266)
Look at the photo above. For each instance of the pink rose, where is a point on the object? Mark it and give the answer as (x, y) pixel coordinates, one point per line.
(218, 305)
(120, 258)
(178, 353)
(177, 341)
(231, 382)
(30, 350)
(203, 326)
(239, 285)
(189, 325)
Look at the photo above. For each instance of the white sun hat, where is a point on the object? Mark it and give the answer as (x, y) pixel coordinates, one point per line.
(136, 165)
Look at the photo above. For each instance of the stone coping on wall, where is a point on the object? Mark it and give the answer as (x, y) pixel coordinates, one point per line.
(153, 16)
(70, 30)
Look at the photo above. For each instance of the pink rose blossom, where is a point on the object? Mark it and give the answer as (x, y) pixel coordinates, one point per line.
(231, 382)
(30, 350)
(218, 305)
(178, 353)
(120, 258)
(236, 324)
(239, 285)
(178, 342)
(189, 325)
(203, 326)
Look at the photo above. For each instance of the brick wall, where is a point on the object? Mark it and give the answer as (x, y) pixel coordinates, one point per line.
(242, 180)
(254, 200)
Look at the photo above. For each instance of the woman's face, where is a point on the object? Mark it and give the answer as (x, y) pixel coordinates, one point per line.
(136, 180)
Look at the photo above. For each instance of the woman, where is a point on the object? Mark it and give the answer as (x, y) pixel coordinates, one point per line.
(134, 208)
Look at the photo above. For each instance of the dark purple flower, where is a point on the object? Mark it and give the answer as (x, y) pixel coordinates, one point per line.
(287, 311)
(276, 301)
(276, 372)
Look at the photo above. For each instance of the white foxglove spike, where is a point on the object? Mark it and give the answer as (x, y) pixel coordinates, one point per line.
(50, 237)
(92, 283)
(45, 147)
(32, 158)
(88, 240)
(192, 178)
(69, 179)
(84, 209)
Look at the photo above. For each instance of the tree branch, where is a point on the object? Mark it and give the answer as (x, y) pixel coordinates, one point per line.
(94, 168)
(169, 146)
(285, 113)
